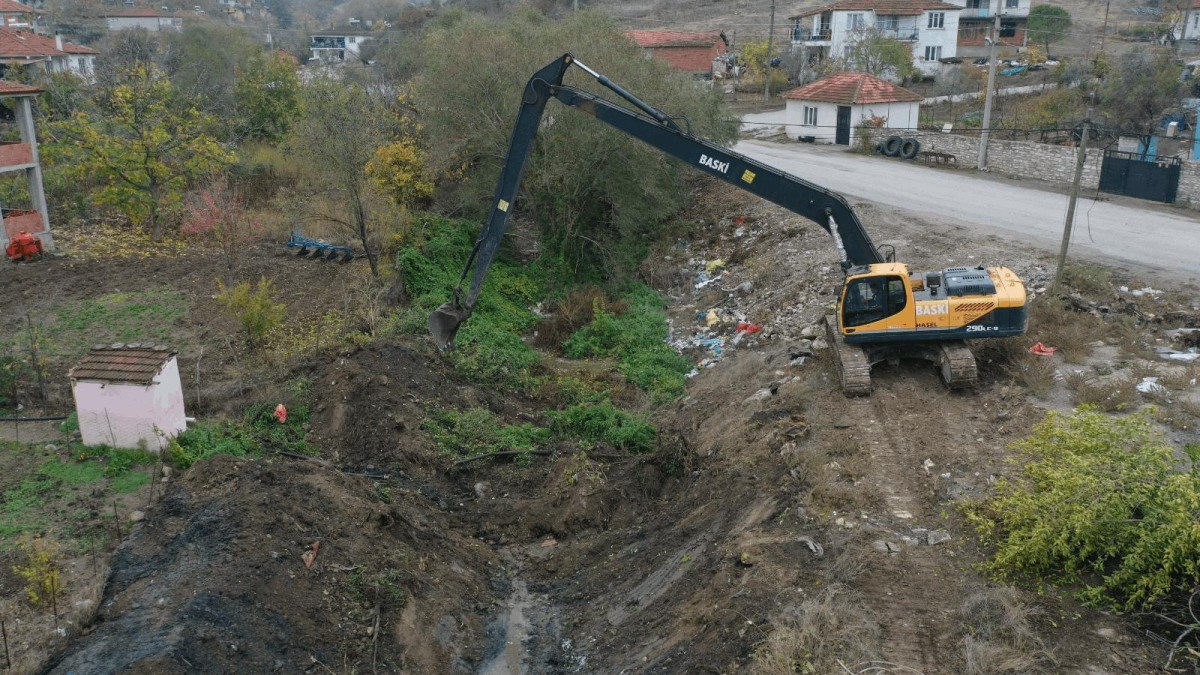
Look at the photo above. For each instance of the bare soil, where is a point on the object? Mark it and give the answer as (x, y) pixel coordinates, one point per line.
(769, 487)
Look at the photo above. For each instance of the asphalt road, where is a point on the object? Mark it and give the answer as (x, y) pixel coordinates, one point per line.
(1151, 237)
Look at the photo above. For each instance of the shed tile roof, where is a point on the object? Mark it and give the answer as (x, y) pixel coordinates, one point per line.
(127, 363)
(17, 89)
(673, 38)
(851, 89)
(881, 7)
(14, 42)
(14, 7)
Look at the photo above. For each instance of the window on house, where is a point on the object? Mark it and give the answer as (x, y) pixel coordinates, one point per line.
(888, 23)
(937, 19)
(1012, 4)
(974, 4)
(810, 116)
(855, 21)
(933, 53)
(1008, 29)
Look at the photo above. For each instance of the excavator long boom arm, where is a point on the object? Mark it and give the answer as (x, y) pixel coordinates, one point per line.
(652, 126)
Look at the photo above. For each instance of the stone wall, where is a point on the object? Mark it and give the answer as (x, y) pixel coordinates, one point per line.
(1051, 163)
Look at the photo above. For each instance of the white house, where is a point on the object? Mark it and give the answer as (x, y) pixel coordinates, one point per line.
(142, 17)
(54, 55)
(129, 396)
(337, 46)
(831, 109)
(830, 31)
(1190, 30)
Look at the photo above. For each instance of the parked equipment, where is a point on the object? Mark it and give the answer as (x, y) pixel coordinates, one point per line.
(24, 247)
(884, 311)
(319, 250)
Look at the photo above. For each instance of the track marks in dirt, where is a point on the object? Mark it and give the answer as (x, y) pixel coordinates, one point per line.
(661, 579)
(915, 592)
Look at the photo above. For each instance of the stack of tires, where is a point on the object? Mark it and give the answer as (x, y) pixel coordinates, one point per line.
(895, 146)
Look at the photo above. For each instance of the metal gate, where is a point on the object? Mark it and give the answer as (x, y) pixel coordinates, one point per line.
(1126, 173)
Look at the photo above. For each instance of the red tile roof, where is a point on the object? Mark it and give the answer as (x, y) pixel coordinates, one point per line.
(881, 7)
(852, 89)
(17, 89)
(14, 42)
(131, 363)
(14, 7)
(672, 38)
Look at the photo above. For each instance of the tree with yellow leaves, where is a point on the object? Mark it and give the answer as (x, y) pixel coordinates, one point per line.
(140, 147)
(398, 170)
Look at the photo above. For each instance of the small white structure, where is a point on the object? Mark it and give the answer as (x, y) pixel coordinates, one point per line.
(129, 396)
(142, 17)
(831, 109)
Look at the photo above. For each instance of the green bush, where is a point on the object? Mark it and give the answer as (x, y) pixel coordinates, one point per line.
(253, 307)
(1098, 500)
(209, 439)
(604, 423)
(638, 340)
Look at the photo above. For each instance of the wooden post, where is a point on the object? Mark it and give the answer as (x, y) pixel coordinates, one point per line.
(1066, 239)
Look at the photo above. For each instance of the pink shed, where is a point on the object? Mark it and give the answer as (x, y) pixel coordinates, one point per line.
(129, 396)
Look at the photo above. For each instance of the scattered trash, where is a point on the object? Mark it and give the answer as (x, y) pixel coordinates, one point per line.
(1042, 350)
(281, 413)
(704, 279)
(310, 556)
(744, 288)
(885, 546)
(813, 546)
(549, 542)
(1175, 355)
(927, 465)
(712, 318)
(748, 328)
(1150, 385)
(1139, 292)
(902, 515)
(712, 266)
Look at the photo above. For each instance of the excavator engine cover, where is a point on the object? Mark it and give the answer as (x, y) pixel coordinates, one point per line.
(444, 323)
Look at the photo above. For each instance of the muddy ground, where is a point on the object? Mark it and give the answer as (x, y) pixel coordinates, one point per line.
(771, 494)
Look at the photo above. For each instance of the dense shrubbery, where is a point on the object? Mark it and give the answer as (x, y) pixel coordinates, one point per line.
(1100, 500)
(638, 340)
(258, 430)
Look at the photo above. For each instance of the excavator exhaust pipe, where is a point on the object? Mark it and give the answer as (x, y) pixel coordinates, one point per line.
(444, 324)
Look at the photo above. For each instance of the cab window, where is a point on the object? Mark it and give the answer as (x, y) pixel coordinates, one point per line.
(873, 298)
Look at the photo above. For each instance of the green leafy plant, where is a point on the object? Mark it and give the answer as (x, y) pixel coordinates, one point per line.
(252, 307)
(1097, 500)
(605, 423)
(42, 571)
(477, 431)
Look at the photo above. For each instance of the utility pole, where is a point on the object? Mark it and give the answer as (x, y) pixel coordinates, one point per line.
(770, 45)
(1066, 240)
(991, 84)
(1104, 30)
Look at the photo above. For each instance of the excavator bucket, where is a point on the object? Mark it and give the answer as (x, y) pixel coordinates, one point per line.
(444, 323)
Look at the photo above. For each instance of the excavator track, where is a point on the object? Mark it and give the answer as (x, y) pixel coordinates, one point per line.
(957, 365)
(853, 365)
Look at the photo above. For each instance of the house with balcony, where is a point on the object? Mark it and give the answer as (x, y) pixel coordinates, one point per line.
(977, 17)
(22, 155)
(338, 46)
(831, 31)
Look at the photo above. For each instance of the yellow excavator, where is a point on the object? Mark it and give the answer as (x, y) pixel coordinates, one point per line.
(885, 311)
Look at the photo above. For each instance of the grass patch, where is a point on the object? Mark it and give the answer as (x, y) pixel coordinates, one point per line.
(129, 482)
(637, 339)
(1053, 323)
(1088, 279)
(73, 473)
(140, 316)
(257, 431)
(477, 431)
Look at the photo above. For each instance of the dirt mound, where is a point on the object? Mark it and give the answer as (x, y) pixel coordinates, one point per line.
(215, 580)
